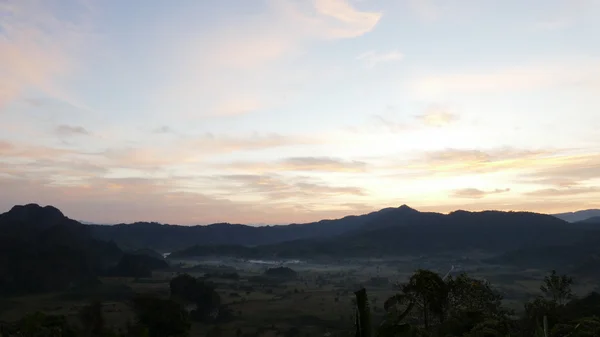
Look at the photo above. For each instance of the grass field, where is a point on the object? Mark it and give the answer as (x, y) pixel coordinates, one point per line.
(320, 300)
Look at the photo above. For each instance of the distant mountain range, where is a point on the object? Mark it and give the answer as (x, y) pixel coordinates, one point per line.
(405, 231)
(168, 238)
(401, 220)
(522, 239)
(579, 215)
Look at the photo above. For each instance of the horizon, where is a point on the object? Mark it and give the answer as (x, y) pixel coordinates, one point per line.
(286, 111)
(82, 221)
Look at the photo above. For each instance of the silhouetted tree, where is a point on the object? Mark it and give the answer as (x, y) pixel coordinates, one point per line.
(92, 319)
(557, 287)
(161, 317)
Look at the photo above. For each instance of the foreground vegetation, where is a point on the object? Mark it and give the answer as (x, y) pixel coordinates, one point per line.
(428, 304)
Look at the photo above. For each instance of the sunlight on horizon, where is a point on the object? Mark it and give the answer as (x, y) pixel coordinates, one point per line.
(281, 111)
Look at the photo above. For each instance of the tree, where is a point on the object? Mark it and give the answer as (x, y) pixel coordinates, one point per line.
(163, 318)
(557, 287)
(92, 319)
(453, 307)
(42, 325)
(467, 294)
(202, 294)
(429, 293)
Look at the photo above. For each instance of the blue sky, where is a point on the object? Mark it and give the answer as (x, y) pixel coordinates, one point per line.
(277, 111)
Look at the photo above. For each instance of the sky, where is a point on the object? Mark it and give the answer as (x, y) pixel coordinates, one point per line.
(281, 111)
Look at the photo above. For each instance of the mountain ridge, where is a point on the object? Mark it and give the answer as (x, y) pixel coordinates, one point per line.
(578, 216)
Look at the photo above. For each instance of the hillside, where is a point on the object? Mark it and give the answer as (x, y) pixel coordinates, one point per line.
(578, 215)
(404, 231)
(42, 250)
(168, 238)
(578, 258)
(593, 220)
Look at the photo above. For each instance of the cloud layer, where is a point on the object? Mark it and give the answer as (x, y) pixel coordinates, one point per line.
(287, 111)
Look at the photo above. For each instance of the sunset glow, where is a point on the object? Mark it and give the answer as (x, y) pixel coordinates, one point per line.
(281, 111)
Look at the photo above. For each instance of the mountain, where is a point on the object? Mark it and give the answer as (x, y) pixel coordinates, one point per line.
(168, 238)
(579, 215)
(43, 250)
(593, 220)
(402, 231)
(580, 258)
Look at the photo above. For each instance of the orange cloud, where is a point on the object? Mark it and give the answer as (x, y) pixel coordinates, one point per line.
(437, 116)
(473, 193)
(315, 164)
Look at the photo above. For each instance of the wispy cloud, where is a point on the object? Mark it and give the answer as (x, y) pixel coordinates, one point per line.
(461, 162)
(70, 130)
(437, 116)
(245, 59)
(474, 193)
(563, 192)
(346, 21)
(275, 187)
(10, 150)
(373, 58)
(511, 79)
(566, 171)
(37, 48)
(316, 164)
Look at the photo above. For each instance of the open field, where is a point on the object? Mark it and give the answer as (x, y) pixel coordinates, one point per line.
(320, 300)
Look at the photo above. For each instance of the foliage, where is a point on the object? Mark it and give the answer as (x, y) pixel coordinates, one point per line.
(202, 294)
(40, 325)
(137, 265)
(557, 287)
(92, 319)
(465, 306)
(281, 272)
(162, 317)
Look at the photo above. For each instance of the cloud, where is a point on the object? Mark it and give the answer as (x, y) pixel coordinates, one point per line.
(163, 129)
(433, 116)
(563, 192)
(11, 150)
(473, 156)
(344, 20)
(242, 64)
(70, 130)
(373, 58)
(436, 116)
(324, 164)
(286, 26)
(461, 162)
(390, 124)
(566, 170)
(275, 187)
(37, 48)
(190, 149)
(473, 193)
(314, 164)
(238, 107)
(511, 79)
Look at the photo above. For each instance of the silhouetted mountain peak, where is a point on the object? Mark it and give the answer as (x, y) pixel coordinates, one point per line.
(34, 213)
(405, 209)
